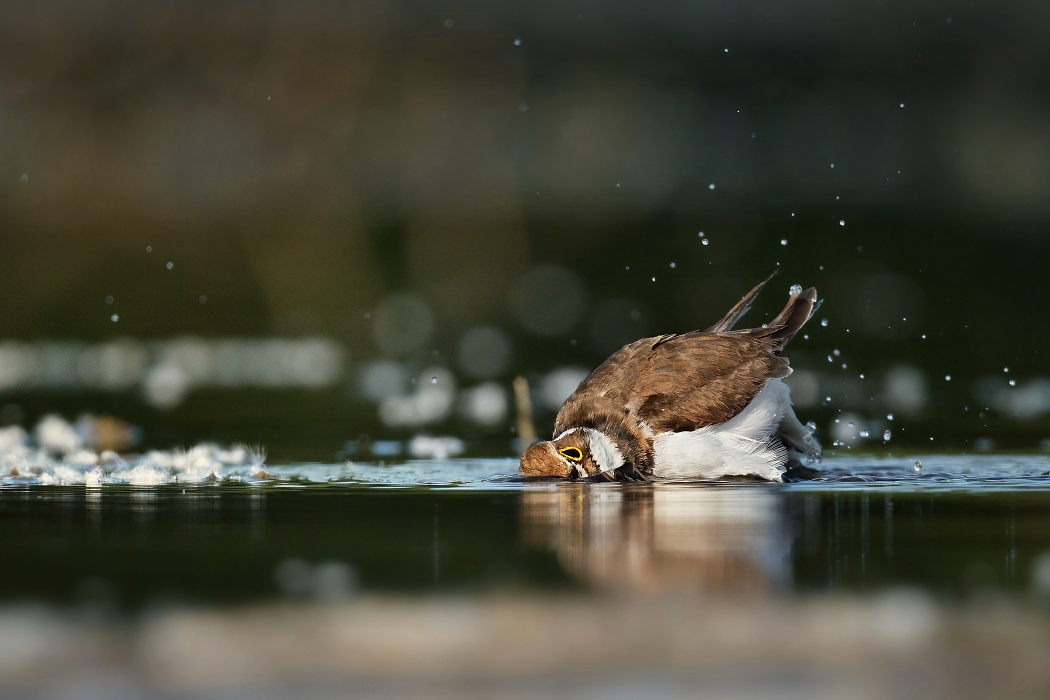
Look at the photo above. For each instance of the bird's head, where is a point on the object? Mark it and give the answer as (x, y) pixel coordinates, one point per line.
(568, 456)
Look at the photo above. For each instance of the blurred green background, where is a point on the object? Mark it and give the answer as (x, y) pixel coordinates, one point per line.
(304, 223)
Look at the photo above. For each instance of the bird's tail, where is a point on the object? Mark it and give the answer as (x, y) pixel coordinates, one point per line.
(740, 308)
(801, 306)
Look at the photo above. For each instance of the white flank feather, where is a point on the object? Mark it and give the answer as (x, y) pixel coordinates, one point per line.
(741, 446)
(604, 451)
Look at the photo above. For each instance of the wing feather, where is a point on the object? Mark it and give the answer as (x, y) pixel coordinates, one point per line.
(686, 381)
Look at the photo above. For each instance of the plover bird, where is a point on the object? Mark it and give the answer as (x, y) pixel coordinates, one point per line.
(699, 405)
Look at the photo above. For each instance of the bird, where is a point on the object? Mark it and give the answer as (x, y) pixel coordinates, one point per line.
(702, 405)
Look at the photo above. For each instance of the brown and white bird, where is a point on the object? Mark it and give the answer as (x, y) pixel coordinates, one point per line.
(699, 405)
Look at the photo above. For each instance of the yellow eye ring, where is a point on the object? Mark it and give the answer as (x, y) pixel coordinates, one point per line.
(573, 454)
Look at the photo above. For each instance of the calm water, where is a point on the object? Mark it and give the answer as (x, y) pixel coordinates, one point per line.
(958, 526)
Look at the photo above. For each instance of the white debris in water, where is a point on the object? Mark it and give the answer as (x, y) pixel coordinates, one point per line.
(795, 289)
(486, 404)
(886, 435)
(432, 401)
(905, 390)
(58, 456)
(440, 447)
(824, 322)
(1028, 401)
(56, 435)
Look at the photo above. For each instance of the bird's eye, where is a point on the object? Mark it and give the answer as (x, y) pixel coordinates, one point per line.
(573, 454)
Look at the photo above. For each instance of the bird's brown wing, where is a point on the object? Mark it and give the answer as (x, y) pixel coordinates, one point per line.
(686, 381)
(679, 382)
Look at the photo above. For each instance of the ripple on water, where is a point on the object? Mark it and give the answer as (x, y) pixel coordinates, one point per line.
(208, 463)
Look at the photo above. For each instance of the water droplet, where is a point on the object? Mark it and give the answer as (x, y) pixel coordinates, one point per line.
(805, 336)
(830, 358)
(1013, 382)
(672, 266)
(828, 399)
(711, 186)
(517, 42)
(947, 377)
(727, 50)
(843, 365)
(654, 279)
(25, 178)
(109, 300)
(836, 352)
(824, 322)
(862, 376)
(433, 380)
(114, 318)
(865, 433)
(448, 24)
(924, 336)
(203, 299)
(701, 234)
(918, 464)
(833, 165)
(902, 105)
(889, 416)
(842, 222)
(170, 265)
(795, 289)
(886, 435)
(706, 241)
(617, 185)
(628, 267)
(1006, 369)
(783, 241)
(149, 249)
(850, 423)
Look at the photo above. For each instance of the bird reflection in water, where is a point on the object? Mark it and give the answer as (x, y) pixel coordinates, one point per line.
(656, 537)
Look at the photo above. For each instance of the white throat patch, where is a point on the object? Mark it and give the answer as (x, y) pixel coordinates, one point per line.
(604, 451)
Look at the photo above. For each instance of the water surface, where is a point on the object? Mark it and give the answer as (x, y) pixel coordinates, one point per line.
(956, 527)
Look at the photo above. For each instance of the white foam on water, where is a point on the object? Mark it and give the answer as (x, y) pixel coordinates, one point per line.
(23, 463)
(55, 458)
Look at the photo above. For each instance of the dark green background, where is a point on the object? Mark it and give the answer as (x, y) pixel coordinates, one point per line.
(300, 161)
